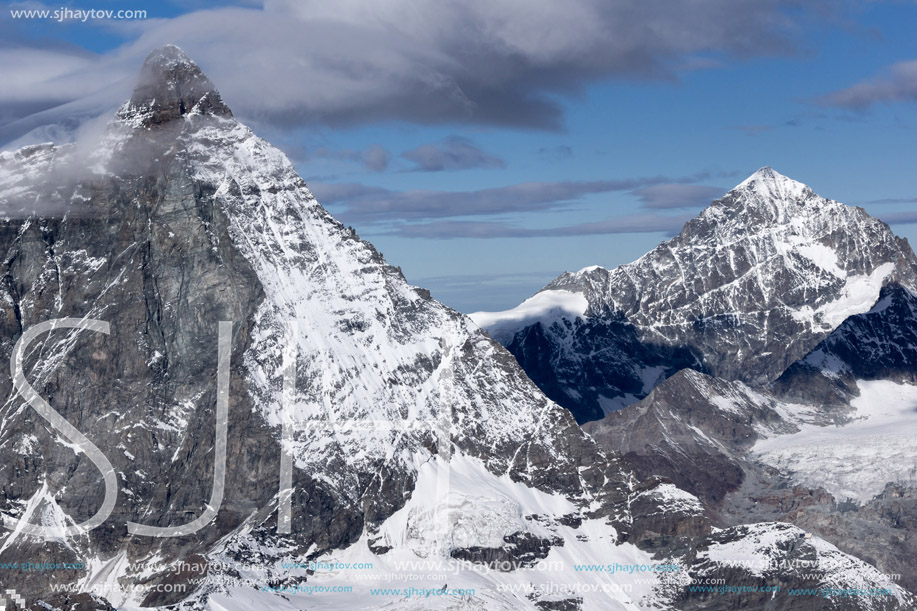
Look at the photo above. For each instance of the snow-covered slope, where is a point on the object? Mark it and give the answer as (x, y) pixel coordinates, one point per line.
(480, 510)
(856, 460)
(830, 445)
(543, 307)
(757, 280)
(870, 363)
(768, 550)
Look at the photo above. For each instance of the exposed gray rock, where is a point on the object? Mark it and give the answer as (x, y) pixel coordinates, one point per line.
(593, 366)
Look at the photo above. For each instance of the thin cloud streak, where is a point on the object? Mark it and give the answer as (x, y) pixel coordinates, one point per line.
(375, 158)
(556, 153)
(639, 223)
(453, 153)
(898, 83)
(375, 204)
(908, 217)
(891, 200)
(668, 196)
(378, 204)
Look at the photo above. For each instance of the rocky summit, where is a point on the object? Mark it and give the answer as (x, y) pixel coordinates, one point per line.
(222, 398)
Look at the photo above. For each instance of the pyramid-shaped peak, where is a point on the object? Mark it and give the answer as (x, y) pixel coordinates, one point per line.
(169, 55)
(171, 85)
(770, 184)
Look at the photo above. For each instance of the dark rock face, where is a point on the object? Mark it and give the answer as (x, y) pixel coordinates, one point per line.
(521, 550)
(667, 521)
(151, 256)
(880, 344)
(697, 430)
(594, 366)
(171, 85)
(680, 432)
(878, 531)
(566, 604)
(74, 602)
(754, 282)
(773, 567)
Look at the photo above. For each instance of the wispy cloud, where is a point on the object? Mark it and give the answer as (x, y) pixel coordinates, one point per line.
(374, 158)
(492, 291)
(453, 153)
(556, 153)
(892, 200)
(907, 217)
(370, 204)
(637, 223)
(897, 83)
(677, 195)
(331, 193)
(524, 277)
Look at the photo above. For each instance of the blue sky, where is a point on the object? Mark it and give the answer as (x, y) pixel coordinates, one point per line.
(487, 145)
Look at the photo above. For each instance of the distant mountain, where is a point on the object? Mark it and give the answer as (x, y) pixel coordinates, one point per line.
(746, 289)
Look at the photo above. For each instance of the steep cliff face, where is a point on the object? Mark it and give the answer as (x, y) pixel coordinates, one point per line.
(880, 344)
(757, 280)
(594, 366)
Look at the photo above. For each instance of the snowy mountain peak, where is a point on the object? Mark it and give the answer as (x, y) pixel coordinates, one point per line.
(749, 286)
(171, 85)
(769, 183)
(767, 198)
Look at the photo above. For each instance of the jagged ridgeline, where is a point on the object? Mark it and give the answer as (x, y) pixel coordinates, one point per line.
(243, 386)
